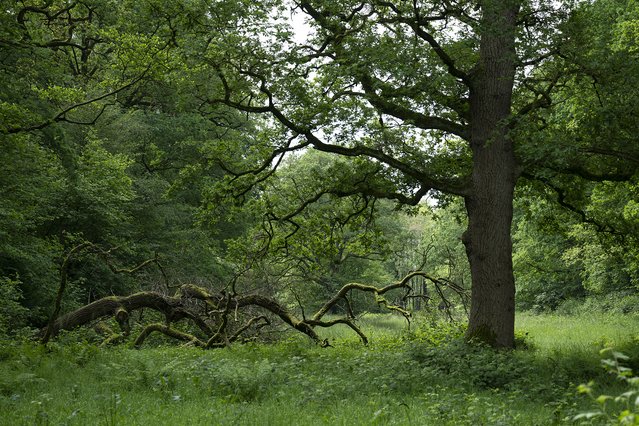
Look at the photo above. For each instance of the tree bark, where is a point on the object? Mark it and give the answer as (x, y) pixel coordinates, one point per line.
(490, 203)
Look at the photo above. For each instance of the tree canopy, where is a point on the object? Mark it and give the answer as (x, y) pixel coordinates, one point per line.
(234, 150)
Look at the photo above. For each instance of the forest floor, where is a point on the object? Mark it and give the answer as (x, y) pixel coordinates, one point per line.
(425, 375)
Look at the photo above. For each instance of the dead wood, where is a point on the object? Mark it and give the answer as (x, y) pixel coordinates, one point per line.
(218, 320)
(171, 332)
(121, 314)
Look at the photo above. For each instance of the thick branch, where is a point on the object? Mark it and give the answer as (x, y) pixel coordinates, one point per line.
(341, 294)
(422, 121)
(175, 308)
(626, 156)
(108, 306)
(453, 187)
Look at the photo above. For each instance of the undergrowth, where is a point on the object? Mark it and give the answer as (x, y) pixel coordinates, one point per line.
(425, 374)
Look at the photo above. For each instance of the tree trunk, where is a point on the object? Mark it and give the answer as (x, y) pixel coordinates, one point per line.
(490, 205)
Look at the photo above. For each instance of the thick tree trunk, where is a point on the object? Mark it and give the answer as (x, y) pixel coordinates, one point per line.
(490, 205)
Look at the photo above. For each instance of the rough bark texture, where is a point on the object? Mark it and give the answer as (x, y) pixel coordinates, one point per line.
(490, 210)
(176, 308)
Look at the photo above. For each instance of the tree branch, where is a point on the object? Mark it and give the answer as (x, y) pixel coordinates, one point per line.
(454, 187)
(562, 199)
(62, 115)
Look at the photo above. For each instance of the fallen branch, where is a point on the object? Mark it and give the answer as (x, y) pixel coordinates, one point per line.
(121, 315)
(171, 332)
(213, 320)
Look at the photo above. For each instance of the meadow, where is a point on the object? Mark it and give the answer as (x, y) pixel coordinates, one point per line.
(418, 376)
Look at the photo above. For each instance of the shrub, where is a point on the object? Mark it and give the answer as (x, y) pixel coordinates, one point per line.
(623, 408)
(435, 333)
(620, 302)
(12, 314)
(472, 363)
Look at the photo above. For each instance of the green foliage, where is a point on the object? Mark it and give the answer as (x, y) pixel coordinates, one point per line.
(621, 409)
(103, 192)
(429, 378)
(32, 189)
(588, 245)
(434, 334)
(13, 314)
(473, 364)
(541, 238)
(164, 168)
(611, 303)
(94, 134)
(558, 257)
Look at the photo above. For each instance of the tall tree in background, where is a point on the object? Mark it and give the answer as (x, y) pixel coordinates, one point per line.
(94, 131)
(440, 96)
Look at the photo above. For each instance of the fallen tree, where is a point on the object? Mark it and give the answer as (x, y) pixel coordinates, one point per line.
(216, 315)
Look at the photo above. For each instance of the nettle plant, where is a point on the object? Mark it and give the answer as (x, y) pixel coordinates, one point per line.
(623, 408)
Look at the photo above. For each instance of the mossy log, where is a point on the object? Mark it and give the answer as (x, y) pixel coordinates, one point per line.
(174, 309)
(219, 307)
(112, 305)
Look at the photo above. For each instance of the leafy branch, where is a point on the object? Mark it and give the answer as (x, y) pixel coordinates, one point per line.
(62, 116)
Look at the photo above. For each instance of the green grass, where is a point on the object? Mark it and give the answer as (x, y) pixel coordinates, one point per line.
(408, 377)
(569, 333)
(574, 342)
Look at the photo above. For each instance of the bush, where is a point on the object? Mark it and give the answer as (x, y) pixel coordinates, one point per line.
(472, 363)
(13, 315)
(435, 333)
(623, 408)
(622, 302)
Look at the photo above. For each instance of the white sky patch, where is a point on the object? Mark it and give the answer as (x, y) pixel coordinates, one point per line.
(301, 27)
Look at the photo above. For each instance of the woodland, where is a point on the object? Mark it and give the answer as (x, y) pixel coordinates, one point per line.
(430, 197)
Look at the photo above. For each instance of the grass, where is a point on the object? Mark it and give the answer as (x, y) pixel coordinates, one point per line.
(418, 376)
(575, 341)
(569, 333)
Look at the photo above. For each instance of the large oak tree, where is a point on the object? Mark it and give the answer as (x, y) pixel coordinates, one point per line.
(439, 97)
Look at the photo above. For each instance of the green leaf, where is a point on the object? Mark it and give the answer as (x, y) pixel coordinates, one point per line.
(619, 355)
(587, 389)
(589, 415)
(601, 399)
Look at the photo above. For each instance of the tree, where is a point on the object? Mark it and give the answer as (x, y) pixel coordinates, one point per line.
(542, 237)
(86, 104)
(441, 97)
(582, 159)
(587, 248)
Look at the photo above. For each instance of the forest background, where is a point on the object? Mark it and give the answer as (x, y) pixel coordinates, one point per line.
(141, 150)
